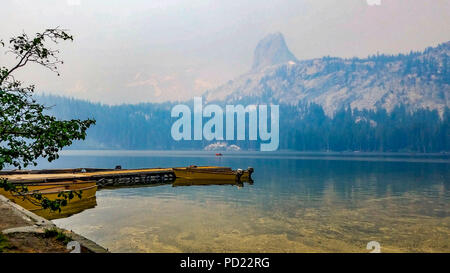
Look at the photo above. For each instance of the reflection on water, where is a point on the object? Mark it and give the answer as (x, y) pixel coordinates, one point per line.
(179, 182)
(82, 200)
(69, 210)
(295, 205)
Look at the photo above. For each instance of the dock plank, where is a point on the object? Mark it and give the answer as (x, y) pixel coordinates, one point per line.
(94, 175)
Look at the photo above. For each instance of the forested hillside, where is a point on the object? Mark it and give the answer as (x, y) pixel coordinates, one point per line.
(303, 127)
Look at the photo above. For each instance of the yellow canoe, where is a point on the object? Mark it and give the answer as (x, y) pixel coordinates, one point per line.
(209, 173)
(51, 191)
(212, 173)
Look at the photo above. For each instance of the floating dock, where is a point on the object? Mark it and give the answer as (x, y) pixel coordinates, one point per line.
(103, 177)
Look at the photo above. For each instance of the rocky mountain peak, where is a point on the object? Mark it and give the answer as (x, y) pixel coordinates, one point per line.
(272, 50)
(417, 80)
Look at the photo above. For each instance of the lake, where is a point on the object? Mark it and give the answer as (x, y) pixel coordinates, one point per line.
(299, 202)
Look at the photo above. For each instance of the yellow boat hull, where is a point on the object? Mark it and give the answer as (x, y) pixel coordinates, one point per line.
(51, 192)
(212, 173)
(246, 176)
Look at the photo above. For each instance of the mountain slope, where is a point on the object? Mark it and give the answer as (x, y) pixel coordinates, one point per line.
(417, 80)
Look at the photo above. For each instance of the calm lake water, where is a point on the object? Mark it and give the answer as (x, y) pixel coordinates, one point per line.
(299, 202)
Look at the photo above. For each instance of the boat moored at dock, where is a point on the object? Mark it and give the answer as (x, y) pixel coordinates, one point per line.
(213, 173)
(26, 197)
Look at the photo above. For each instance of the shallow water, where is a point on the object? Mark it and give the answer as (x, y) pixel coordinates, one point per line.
(299, 202)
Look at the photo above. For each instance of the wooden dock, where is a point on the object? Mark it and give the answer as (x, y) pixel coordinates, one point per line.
(103, 177)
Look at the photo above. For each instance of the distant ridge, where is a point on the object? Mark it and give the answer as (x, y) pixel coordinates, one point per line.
(417, 80)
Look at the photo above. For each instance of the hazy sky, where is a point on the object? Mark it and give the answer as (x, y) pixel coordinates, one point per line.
(129, 51)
